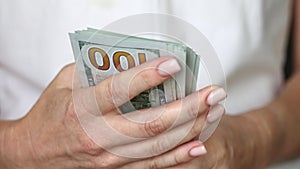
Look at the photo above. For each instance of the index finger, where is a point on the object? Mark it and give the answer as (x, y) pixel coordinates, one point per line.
(118, 89)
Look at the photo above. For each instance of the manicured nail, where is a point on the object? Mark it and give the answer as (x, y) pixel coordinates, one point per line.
(215, 113)
(216, 96)
(168, 68)
(198, 151)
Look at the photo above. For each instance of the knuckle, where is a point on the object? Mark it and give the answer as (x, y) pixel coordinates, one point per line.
(87, 145)
(114, 93)
(147, 79)
(84, 101)
(160, 146)
(155, 127)
(108, 90)
(177, 159)
(153, 165)
(109, 95)
(195, 130)
(106, 161)
(100, 164)
(193, 110)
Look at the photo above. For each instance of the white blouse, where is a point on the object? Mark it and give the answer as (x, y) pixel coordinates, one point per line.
(248, 36)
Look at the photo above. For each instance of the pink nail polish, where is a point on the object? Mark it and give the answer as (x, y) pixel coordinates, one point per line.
(216, 96)
(168, 68)
(198, 151)
(215, 113)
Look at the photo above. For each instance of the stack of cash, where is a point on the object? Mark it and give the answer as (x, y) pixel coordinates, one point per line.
(100, 54)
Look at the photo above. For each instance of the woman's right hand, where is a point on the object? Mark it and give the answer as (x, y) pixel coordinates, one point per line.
(82, 128)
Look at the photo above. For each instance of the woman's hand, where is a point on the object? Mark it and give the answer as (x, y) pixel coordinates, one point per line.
(245, 141)
(220, 148)
(81, 128)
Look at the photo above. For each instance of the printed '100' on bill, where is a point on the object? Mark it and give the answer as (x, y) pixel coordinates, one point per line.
(101, 54)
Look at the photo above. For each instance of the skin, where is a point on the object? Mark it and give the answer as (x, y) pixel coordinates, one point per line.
(51, 135)
(258, 138)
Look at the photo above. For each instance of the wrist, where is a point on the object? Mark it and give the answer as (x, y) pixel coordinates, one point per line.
(250, 141)
(13, 146)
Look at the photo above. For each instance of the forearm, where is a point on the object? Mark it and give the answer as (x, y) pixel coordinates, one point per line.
(287, 110)
(12, 144)
(287, 106)
(5, 133)
(275, 126)
(268, 135)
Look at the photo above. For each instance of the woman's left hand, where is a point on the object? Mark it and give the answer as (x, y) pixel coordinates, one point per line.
(246, 141)
(219, 152)
(215, 154)
(239, 142)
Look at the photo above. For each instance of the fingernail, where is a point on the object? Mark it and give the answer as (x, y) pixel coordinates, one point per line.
(169, 67)
(198, 151)
(215, 113)
(216, 96)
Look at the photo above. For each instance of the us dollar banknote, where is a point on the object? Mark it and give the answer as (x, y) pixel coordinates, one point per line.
(101, 54)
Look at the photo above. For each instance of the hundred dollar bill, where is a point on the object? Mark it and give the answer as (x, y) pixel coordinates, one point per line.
(100, 54)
